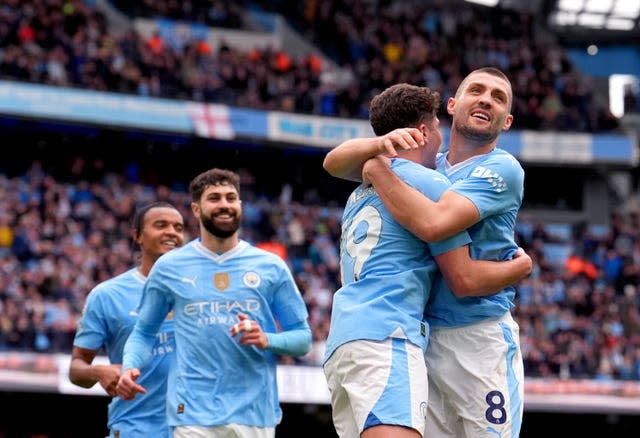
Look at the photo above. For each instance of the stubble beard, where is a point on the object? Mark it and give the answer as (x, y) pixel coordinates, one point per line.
(477, 135)
(228, 230)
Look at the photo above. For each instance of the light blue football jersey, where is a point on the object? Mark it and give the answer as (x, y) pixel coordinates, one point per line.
(216, 380)
(109, 316)
(494, 182)
(387, 272)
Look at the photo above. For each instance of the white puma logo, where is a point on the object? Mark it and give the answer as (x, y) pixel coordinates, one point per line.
(191, 281)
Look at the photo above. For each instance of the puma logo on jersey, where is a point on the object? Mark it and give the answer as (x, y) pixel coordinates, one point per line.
(191, 281)
(494, 178)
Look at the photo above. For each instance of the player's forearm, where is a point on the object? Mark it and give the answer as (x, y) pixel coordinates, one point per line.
(428, 220)
(408, 206)
(82, 374)
(137, 349)
(345, 160)
(296, 341)
(486, 277)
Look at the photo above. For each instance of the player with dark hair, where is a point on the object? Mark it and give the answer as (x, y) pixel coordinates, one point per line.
(476, 371)
(374, 361)
(108, 318)
(236, 307)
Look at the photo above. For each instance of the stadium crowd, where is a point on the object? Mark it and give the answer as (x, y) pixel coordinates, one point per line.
(59, 237)
(371, 45)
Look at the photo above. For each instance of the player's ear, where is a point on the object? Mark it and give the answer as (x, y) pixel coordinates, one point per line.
(135, 235)
(451, 104)
(195, 209)
(507, 123)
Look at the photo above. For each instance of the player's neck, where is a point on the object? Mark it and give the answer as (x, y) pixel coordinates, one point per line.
(219, 245)
(145, 267)
(146, 263)
(414, 155)
(461, 149)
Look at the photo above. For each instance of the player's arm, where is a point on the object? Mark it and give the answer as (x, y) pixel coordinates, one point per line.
(293, 340)
(430, 221)
(345, 160)
(83, 373)
(468, 277)
(153, 310)
(137, 351)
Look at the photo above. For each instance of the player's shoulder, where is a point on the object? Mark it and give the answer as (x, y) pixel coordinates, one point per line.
(123, 281)
(256, 251)
(410, 169)
(426, 180)
(263, 261)
(125, 278)
(168, 258)
(498, 162)
(504, 158)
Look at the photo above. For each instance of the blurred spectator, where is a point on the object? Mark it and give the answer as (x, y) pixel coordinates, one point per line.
(59, 237)
(630, 99)
(371, 47)
(578, 319)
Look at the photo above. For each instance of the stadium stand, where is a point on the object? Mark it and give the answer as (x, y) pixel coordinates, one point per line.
(72, 44)
(81, 208)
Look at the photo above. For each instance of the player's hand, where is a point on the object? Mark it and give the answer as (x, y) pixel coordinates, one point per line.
(519, 253)
(400, 139)
(373, 165)
(525, 259)
(250, 332)
(127, 387)
(108, 377)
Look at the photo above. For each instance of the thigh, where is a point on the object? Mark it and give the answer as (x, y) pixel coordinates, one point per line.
(335, 371)
(191, 432)
(377, 383)
(441, 419)
(223, 431)
(243, 431)
(479, 377)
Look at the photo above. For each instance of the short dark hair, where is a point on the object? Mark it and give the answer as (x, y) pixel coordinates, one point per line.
(141, 212)
(402, 106)
(212, 177)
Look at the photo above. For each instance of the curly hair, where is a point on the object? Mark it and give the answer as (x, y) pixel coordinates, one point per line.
(213, 177)
(401, 106)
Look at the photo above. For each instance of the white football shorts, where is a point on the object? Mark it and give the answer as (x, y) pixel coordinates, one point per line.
(476, 380)
(224, 431)
(377, 382)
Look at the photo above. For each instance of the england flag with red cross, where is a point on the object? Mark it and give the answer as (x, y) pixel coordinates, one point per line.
(211, 120)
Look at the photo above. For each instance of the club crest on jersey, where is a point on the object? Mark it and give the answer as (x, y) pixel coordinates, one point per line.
(221, 281)
(251, 279)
